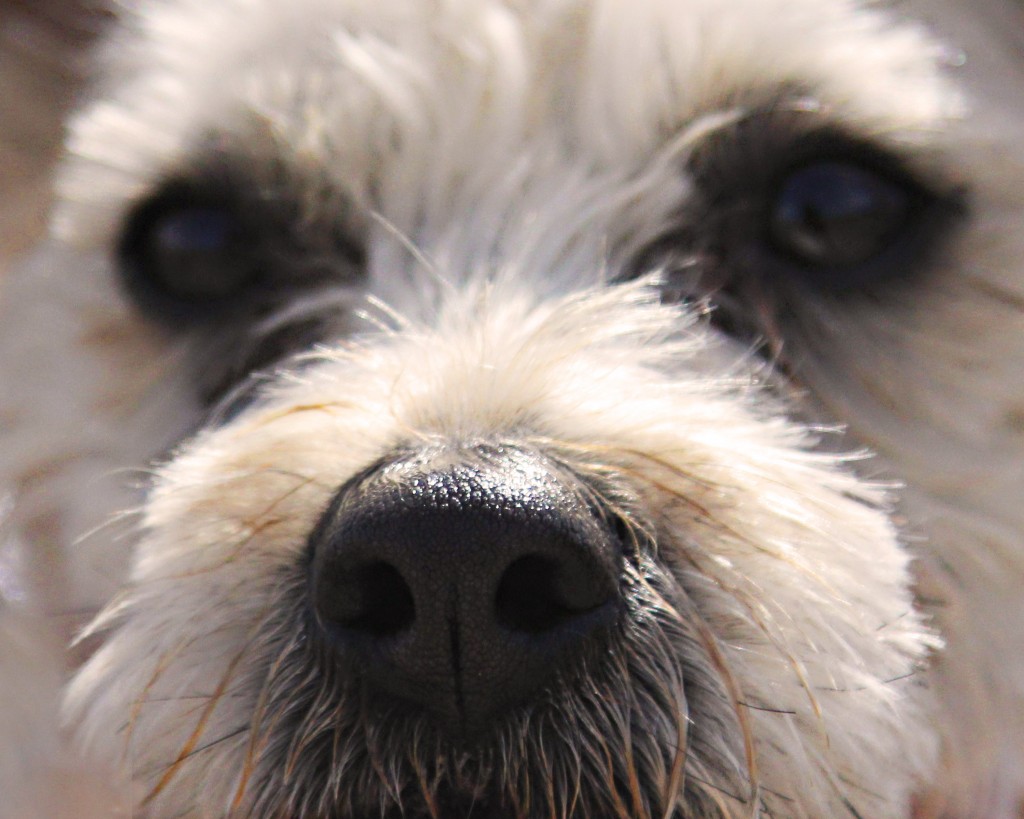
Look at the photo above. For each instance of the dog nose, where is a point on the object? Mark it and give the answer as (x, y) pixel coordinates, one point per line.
(464, 583)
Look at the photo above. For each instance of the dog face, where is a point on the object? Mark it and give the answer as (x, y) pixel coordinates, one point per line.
(503, 340)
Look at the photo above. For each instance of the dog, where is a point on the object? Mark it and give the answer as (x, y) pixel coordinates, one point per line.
(535, 408)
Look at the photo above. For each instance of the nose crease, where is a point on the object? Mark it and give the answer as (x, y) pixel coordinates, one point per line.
(455, 647)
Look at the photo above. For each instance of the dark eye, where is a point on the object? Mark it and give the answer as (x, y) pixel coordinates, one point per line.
(182, 257)
(840, 215)
(834, 218)
(787, 206)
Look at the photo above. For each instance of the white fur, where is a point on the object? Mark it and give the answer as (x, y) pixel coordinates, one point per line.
(808, 580)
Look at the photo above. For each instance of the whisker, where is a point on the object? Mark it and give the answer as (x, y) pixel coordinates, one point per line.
(192, 741)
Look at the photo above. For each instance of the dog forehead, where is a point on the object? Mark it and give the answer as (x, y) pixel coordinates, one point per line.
(348, 87)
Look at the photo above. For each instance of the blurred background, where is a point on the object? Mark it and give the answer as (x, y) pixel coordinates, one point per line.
(42, 48)
(43, 45)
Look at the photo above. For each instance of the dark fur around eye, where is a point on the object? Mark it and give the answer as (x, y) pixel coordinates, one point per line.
(213, 246)
(812, 207)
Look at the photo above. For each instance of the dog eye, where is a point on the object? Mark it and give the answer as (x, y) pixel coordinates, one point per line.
(182, 259)
(831, 219)
(785, 206)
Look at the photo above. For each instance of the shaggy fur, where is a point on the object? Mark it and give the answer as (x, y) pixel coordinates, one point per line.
(518, 228)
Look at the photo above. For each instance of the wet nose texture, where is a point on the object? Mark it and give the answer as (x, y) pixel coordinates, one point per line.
(463, 582)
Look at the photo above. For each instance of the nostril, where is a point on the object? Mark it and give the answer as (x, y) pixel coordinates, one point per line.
(376, 600)
(536, 594)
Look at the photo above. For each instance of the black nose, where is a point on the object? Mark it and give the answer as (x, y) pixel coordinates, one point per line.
(462, 582)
